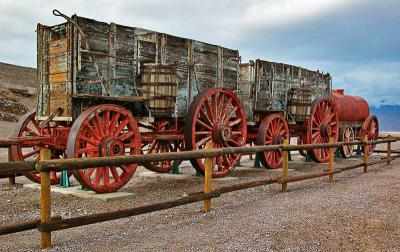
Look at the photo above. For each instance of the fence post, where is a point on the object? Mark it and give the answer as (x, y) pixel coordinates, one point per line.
(330, 178)
(45, 200)
(207, 178)
(257, 161)
(285, 166)
(388, 152)
(11, 178)
(365, 150)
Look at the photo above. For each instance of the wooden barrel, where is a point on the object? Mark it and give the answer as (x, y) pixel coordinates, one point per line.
(299, 103)
(159, 87)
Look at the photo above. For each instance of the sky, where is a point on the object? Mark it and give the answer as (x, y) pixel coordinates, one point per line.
(357, 41)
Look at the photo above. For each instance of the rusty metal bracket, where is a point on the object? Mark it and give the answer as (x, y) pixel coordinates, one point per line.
(57, 112)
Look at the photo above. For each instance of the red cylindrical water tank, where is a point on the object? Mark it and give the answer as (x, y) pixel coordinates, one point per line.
(350, 108)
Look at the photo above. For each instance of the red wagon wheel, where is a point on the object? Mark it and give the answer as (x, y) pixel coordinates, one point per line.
(302, 140)
(370, 128)
(28, 127)
(216, 115)
(162, 146)
(273, 130)
(322, 124)
(101, 131)
(346, 135)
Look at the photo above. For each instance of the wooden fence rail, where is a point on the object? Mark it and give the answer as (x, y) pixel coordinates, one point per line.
(79, 163)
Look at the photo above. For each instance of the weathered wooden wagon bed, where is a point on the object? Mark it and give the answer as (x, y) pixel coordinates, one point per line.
(107, 89)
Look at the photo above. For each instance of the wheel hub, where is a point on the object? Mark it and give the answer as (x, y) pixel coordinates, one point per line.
(111, 146)
(325, 130)
(276, 140)
(221, 133)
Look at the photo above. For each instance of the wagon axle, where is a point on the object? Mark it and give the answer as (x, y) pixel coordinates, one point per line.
(111, 146)
(325, 130)
(221, 133)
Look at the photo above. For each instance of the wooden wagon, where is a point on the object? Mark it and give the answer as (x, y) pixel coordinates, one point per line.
(107, 90)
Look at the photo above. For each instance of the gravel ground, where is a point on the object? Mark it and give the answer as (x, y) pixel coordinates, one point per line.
(358, 212)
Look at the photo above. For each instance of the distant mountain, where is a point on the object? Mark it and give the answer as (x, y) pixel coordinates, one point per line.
(13, 75)
(388, 116)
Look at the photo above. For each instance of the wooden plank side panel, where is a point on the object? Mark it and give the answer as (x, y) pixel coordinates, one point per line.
(58, 44)
(230, 68)
(59, 70)
(246, 88)
(42, 101)
(58, 97)
(54, 50)
(120, 51)
(59, 63)
(175, 52)
(96, 35)
(206, 65)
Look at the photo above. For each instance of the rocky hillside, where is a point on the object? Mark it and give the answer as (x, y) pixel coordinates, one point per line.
(17, 91)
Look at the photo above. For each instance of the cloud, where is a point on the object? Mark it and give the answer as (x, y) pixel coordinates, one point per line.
(279, 13)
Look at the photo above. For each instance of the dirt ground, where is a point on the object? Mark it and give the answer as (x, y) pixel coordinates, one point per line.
(358, 212)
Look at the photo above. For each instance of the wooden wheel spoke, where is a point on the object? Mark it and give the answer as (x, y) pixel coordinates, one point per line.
(205, 116)
(126, 135)
(226, 119)
(203, 141)
(220, 104)
(214, 107)
(31, 132)
(157, 147)
(98, 124)
(89, 172)
(225, 107)
(31, 153)
(106, 176)
(114, 173)
(209, 111)
(234, 142)
(121, 126)
(152, 146)
(84, 139)
(91, 128)
(106, 122)
(88, 150)
(235, 122)
(98, 174)
(113, 122)
(203, 124)
(202, 133)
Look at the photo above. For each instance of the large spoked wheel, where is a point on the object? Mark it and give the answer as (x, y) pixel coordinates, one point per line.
(273, 130)
(216, 115)
(162, 146)
(371, 129)
(104, 131)
(346, 135)
(322, 124)
(29, 127)
(301, 140)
